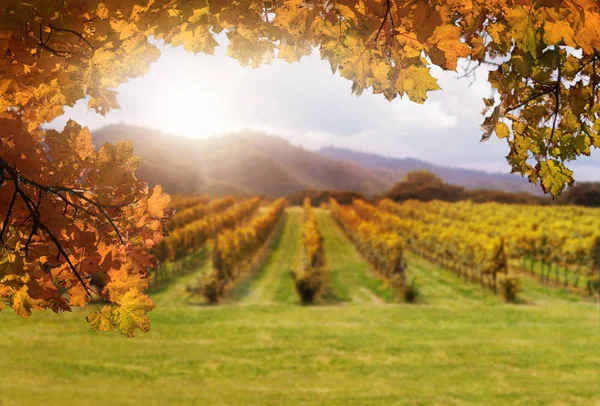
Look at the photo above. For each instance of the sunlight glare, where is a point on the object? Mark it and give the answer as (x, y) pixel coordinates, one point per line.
(191, 106)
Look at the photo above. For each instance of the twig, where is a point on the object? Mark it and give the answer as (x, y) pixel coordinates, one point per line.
(388, 5)
(556, 93)
(78, 34)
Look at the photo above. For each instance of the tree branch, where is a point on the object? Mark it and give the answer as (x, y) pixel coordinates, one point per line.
(556, 93)
(388, 5)
(78, 34)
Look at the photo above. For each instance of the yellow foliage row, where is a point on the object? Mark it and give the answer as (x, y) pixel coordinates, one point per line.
(441, 239)
(312, 240)
(382, 248)
(235, 247)
(196, 212)
(194, 235)
(180, 202)
(563, 235)
(310, 279)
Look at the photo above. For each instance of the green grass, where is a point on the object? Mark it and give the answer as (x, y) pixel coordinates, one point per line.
(351, 278)
(274, 281)
(461, 345)
(535, 272)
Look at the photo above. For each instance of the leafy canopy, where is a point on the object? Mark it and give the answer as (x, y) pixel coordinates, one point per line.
(73, 213)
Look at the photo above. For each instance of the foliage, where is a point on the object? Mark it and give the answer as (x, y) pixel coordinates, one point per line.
(196, 212)
(509, 286)
(322, 197)
(310, 279)
(442, 239)
(582, 194)
(65, 221)
(55, 53)
(211, 287)
(382, 248)
(235, 248)
(193, 236)
(565, 236)
(180, 202)
(426, 186)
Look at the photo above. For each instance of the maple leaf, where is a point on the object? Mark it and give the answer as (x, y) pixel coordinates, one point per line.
(101, 321)
(554, 176)
(415, 82)
(131, 312)
(78, 296)
(588, 37)
(447, 46)
(21, 303)
(556, 31)
(158, 203)
(523, 28)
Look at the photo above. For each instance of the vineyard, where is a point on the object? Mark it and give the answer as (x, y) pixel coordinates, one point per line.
(491, 245)
(254, 293)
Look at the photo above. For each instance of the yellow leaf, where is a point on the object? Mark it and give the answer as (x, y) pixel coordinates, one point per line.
(502, 130)
(101, 321)
(522, 29)
(131, 313)
(448, 46)
(555, 31)
(78, 296)
(158, 203)
(554, 176)
(588, 37)
(416, 82)
(21, 303)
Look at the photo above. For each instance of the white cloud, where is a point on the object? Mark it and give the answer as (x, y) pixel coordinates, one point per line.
(199, 96)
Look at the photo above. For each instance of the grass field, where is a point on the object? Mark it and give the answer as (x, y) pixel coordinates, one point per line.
(459, 345)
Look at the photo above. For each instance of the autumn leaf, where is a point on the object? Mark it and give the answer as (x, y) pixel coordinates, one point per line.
(158, 203)
(523, 29)
(447, 46)
(101, 321)
(131, 313)
(415, 82)
(502, 130)
(554, 176)
(21, 303)
(556, 31)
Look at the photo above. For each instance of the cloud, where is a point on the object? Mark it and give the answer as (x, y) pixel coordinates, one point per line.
(199, 96)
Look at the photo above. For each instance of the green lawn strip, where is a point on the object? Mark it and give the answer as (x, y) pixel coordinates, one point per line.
(438, 285)
(174, 291)
(349, 273)
(524, 268)
(534, 291)
(168, 273)
(324, 355)
(285, 292)
(262, 287)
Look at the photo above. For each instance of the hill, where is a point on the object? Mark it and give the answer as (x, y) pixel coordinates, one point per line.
(394, 169)
(246, 164)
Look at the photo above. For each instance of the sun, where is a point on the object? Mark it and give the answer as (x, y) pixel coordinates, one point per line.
(191, 108)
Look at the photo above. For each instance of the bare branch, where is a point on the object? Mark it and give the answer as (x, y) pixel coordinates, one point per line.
(78, 34)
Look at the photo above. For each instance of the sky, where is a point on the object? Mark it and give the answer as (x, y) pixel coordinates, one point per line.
(202, 96)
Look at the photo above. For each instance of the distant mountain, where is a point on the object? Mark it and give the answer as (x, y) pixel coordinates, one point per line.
(393, 169)
(241, 164)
